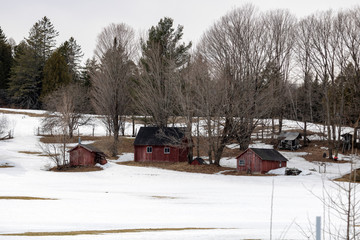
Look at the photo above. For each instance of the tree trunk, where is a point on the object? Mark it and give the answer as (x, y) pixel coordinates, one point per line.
(280, 121)
(116, 129)
(305, 133)
(353, 141)
(133, 125)
(210, 140)
(198, 137)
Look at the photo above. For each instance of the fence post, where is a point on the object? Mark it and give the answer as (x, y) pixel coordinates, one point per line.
(318, 228)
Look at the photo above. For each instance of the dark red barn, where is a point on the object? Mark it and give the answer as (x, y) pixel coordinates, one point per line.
(260, 160)
(86, 155)
(156, 144)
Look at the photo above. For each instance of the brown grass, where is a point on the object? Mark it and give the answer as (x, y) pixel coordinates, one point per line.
(179, 166)
(97, 232)
(316, 153)
(6, 165)
(23, 113)
(354, 176)
(24, 198)
(164, 197)
(29, 152)
(58, 139)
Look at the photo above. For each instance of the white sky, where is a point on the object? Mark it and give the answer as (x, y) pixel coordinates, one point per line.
(84, 19)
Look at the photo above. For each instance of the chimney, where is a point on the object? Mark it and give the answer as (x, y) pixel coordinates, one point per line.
(79, 140)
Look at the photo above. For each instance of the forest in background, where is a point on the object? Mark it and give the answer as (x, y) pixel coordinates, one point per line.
(248, 66)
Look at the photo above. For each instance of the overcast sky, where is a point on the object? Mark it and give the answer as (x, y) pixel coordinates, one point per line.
(84, 19)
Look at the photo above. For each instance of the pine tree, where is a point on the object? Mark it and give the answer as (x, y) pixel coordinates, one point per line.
(87, 71)
(25, 81)
(73, 54)
(42, 39)
(28, 71)
(56, 73)
(162, 57)
(5, 61)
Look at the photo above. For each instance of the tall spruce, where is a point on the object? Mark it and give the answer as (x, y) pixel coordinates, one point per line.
(72, 54)
(28, 71)
(42, 39)
(5, 61)
(162, 57)
(56, 73)
(24, 85)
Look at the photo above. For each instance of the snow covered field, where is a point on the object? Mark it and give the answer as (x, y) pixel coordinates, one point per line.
(125, 197)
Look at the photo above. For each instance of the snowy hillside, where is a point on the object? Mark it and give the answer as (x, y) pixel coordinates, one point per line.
(122, 198)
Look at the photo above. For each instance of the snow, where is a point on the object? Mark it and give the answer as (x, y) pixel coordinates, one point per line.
(126, 197)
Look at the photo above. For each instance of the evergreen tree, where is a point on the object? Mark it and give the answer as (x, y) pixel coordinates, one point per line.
(162, 57)
(56, 73)
(25, 81)
(42, 39)
(87, 71)
(73, 54)
(27, 72)
(5, 61)
(164, 39)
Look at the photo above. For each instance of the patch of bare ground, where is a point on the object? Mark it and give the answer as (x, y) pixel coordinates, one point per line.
(179, 166)
(6, 166)
(77, 169)
(164, 197)
(316, 153)
(24, 198)
(30, 152)
(58, 139)
(97, 232)
(354, 176)
(24, 113)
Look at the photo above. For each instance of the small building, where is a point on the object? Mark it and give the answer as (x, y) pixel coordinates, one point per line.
(154, 144)
(198, 161)
(260, 160)
(86, 155)
(289, 140)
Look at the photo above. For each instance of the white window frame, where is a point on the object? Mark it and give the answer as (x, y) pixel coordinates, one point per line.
(149, 148)
(166, 152)
(241, 162)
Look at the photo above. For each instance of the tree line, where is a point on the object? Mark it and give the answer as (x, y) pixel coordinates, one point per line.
(247, 67)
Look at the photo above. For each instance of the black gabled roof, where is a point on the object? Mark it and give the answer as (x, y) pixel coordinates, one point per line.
(90, 148)
(156, 136)
(269, 154)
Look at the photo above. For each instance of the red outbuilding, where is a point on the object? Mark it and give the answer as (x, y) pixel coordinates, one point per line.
(260, 160)
(86, 155)
(154, 144)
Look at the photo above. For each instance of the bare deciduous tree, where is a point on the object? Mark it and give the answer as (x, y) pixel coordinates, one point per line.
(67, 106)
(111, 83)
(235, 48)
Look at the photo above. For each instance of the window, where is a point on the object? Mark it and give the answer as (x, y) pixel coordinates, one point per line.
(166, 150)
(241, 162)
(149, 150)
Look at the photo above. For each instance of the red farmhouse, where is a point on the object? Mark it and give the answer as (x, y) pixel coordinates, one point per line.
(160, 145)
(260, 160)
(86, 155)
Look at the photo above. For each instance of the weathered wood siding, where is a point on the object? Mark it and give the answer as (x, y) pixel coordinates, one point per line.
(81, 157)
(269, 165)
(254, 164)
(158, 155)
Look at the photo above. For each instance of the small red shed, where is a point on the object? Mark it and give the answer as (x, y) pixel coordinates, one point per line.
(86, 155)
(260, 160)
(156, 144)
